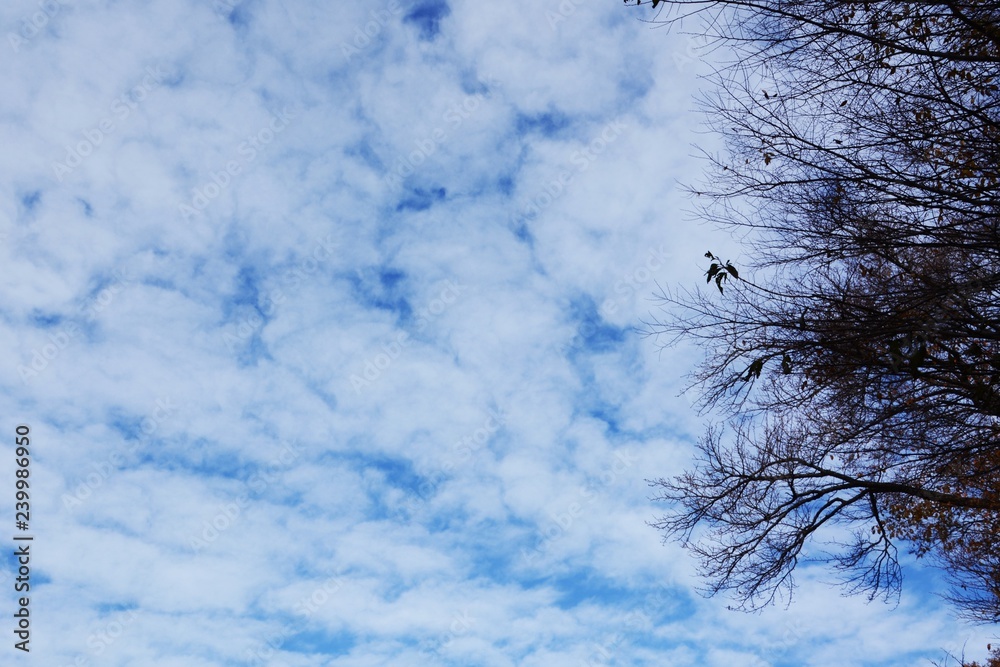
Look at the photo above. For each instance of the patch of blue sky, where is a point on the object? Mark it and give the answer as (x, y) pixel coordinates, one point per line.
(452, 520)
(129, 425)
(111, 525)
(312, 572)
(635, 608)
(108, 608)
(505, 185)
(38, 576)
(159, 282)
(922, 583)
(608, 413)
(249, 309)
(364, 152)
(522, 233)
(286, 497)
(549, 124)
(585, 586)
(240, 16)
(472, 83)
(113, 281)
(633, 86)
(398, 472)
(29, 201)
(487, 557)
(322, 644)
(421, 199)
(592, 394)
(252, 351)
(427, 15)
(392, 587)
(593, 333)
(316, 389)
(511, 209)
(44, 320)
(202, 459)
(381, 288)
(246, 290)
(661, 602)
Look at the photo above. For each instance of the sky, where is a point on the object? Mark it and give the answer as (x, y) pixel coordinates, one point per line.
(323, 317)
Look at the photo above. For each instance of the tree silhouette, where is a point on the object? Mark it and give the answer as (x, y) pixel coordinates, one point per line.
(855, 357)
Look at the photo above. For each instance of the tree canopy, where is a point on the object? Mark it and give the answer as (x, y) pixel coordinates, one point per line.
(854, 357)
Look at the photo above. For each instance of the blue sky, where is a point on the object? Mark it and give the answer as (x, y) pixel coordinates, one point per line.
(322, 315)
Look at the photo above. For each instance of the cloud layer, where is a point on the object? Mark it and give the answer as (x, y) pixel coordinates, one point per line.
(322, 316)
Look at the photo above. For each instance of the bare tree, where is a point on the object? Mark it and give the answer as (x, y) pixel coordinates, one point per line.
(856, 358)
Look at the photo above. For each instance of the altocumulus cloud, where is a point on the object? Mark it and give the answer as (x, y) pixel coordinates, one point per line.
(321, 315)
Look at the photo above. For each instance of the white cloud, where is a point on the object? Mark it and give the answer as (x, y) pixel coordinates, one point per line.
(206, 345)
